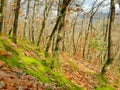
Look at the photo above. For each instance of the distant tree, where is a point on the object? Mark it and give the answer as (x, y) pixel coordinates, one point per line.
(90, 24)
(16, 21)
(26, 18)
(45, 16)
(32, 27)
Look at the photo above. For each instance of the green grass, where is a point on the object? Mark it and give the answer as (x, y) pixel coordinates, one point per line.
(38, 68)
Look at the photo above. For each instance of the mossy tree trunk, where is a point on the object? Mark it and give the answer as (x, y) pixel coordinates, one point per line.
(62, 6)
(109, 53)
(16, 21)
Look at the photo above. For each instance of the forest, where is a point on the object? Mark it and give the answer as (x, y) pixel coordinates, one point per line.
(59, 45)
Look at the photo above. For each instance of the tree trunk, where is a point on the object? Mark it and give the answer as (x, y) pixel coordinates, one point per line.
(1, 16)
(73, 34)
(58, 26)
(46, 13)
(26, 18)
(109, 53)
(16, 21)
(32, 28)
(43, 23)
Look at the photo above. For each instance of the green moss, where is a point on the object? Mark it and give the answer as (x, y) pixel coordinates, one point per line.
(103, 85)
(35, 67)
(51, 62)
(38, 74)
(41, 53)
(105, 88)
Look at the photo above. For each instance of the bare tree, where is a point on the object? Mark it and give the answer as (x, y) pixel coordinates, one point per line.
(62, 6)
(33, 17)
(1, 14)
(109, 53)
(16, 21)
(93, 12)
(45, 15)
(26, 18)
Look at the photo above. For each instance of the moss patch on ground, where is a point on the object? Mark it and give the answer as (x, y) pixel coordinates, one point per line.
(103, 85)
(34, 66)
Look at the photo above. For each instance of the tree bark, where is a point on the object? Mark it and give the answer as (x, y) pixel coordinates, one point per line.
(26, 18)
(32, 28)
(1, 16)
(46, 13)
(109, 53)
(16, 21)
(62, 6)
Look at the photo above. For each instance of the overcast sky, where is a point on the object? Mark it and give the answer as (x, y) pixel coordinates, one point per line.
(88, 4)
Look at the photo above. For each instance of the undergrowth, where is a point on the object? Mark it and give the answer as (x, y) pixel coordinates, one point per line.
(103, 85)
(41, 69)
(47, 70)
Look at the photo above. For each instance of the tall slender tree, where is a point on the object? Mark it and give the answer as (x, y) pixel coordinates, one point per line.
(1, 14)
(45, 16)
(62, 6)
(109, 53)
(26, 18)
(16, 21)
(33, 17)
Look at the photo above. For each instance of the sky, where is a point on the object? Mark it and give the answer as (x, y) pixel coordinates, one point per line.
(22, 1)
(88, 4)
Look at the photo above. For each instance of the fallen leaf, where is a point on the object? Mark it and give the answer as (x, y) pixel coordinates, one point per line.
(2, 63)
(5, 68)
(2, 84)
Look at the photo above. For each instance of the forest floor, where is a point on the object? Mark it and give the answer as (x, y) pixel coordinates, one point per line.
(12, 78)
(23, 67)
(87, 75)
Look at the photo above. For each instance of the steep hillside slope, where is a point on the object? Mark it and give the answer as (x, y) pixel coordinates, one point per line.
(19, 63)
(24, 67)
